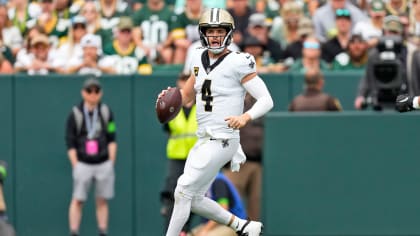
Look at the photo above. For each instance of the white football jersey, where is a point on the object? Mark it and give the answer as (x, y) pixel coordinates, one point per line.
(219, 92)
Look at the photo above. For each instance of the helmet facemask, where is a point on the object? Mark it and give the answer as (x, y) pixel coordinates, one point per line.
(216, 18)
(206, 40)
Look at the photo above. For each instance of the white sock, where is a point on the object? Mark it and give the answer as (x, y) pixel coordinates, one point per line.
(237, 223)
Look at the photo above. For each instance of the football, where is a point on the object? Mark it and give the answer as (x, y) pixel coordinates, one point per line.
(168, 106)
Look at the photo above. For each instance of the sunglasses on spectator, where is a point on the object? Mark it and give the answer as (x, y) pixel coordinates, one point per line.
(312, 45)
(92, 90)
(79, 26)
(342, 13)
(126, 31)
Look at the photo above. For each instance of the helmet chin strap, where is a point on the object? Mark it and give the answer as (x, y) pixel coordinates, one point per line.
(216, 50)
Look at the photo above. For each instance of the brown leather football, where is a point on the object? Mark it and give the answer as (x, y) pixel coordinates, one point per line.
(168, 106)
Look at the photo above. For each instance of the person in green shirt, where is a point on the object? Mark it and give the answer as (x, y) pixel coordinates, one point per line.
(153, 23)
(184, 29)
(355, 57)
(126, 55)
(311, 57)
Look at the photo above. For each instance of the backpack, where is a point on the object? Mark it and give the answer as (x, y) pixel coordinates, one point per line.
(78, 116)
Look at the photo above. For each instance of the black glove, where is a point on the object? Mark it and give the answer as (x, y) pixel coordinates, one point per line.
(404, 103)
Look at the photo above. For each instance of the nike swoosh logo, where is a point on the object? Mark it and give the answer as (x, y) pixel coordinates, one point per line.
(404, 100)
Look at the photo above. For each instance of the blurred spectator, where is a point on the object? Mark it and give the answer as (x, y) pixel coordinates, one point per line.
(66, 9)
(10, 35)
(223, 192)
(91, 62)
(258, 28)
(56, 28)
(396, 7)
(284, 27)
(110, 12)
(313, 98)
(355, 57)
(240, 12)
(414, 79)
(367, 93)
(154, 20)
(71, 48)
(293, 50)
(405, 23)
(90, 137)
(25, 52)
(338, 43)
(41, 59)
(413, 44)
(324, 18)
(124, 53)
(311, 57)
(181, 4)
(248, 181)
(265, 64)
(21, 12)
(90, 11)
(185, 29)
(5, 66)
(371, 29)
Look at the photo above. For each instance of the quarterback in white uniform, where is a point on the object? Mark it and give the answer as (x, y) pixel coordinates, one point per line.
(218, 83)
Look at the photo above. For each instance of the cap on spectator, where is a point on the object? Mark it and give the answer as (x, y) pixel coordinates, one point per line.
(125, 23)
(251, 41)
(40, 38)
(91, 40)
(305, 27)
(47, 1)
(342, 13)
(393, 23)
(356, 38)
(78, 20)
(91, 82)
(377, 6)
(257, 19)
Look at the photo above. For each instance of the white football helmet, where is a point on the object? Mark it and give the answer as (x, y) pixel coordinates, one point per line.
(215, 18)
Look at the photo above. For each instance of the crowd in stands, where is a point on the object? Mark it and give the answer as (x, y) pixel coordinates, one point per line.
(127, 37)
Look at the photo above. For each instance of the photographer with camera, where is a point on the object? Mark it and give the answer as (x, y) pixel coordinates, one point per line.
(385, 76)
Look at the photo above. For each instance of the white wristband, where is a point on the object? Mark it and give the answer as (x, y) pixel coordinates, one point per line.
(416, 103)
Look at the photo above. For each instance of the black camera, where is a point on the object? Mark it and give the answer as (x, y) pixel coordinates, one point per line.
(386, 72)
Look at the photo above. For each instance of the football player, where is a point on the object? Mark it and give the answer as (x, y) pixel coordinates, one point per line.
(218, 82)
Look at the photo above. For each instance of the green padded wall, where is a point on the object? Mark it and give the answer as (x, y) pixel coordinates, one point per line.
(280, 87)
(342, 174)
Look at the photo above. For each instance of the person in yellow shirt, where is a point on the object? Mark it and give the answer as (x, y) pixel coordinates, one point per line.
(182, 137)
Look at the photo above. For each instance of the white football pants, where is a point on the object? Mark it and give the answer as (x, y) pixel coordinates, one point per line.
(204, 161)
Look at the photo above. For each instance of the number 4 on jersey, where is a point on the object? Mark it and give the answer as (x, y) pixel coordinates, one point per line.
(206, 95)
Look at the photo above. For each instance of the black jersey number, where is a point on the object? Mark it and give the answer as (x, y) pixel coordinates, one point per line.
(206, 95)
